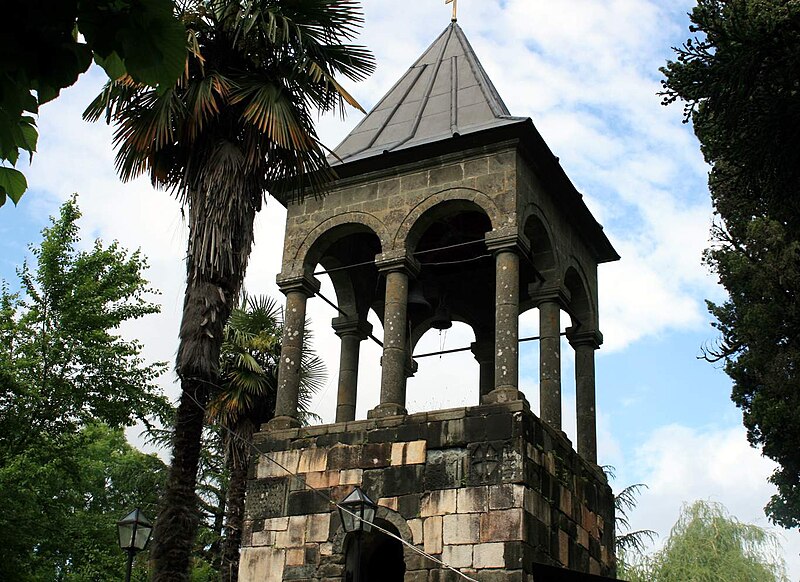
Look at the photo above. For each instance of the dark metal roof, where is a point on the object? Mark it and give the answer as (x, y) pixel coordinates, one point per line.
(444, 94)
(446, 103)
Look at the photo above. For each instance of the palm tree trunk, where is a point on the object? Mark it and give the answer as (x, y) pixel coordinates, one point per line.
(220, 239)
(239, 464)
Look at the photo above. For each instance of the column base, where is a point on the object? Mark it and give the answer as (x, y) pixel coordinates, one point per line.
(388, 409)
(501, 395)
(282, 423)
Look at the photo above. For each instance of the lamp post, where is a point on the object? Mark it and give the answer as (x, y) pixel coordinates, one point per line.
(357, 511)
(134, 533)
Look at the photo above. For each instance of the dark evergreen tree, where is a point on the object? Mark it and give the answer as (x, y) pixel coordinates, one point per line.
(740, 80)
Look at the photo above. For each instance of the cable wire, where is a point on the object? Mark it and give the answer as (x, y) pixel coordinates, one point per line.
(320, 493)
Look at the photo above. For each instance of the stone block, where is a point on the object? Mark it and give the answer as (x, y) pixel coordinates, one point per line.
(536, 505)
(415, 525)
(457, 556)
(445, 468)
(489, 555)
(472, 500)
(308, 501)
(408, 505)
(563, 548)
(303, 573)
(343, 457)
(433, 534)
(261, 565)
(446, 174)
(322, 479)
(439, 502)
(266, 498)
(506, 496)
(262, 538)
(416, 576)
(312, 460)
(388, 502)
(295, 556)
(375, 455)
(461, 528)
(318, 527)
(276, 524)
(295, 535)
(277, 464)
(502, 525)
(411, 453)
(565, 502)
(351, 477)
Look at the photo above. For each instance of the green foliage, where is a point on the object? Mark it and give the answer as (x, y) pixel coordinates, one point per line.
(63, 497)
(47, 44)
(68, 385)
(708, 545)
(739, 81)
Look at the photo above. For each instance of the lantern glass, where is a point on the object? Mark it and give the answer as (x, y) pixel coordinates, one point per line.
(134, 531)
(362, 506)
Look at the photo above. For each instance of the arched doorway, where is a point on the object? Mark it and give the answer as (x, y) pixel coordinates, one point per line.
(381, 556)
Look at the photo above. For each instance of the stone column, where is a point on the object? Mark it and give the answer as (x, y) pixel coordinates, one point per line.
(550, 359)
(352, 333)
(585, 344)
(297, 292)
(395, 359)
(484, 355)
(507, 251)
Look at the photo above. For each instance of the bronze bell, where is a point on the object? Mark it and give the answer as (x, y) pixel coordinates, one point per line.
(416, 299)
(441, 319)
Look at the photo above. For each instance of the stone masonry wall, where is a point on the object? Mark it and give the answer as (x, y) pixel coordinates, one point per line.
(487, 489)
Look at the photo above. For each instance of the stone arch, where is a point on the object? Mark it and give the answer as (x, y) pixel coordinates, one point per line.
(448, 201)
(581, 306)
(537, 229)
(328, 232)
(385, 514)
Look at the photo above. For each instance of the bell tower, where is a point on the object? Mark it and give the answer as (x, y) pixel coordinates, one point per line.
(446, 208)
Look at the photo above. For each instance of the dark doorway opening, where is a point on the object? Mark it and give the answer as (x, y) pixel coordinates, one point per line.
(381, 557)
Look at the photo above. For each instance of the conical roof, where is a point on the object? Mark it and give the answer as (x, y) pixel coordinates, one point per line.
(446, 93)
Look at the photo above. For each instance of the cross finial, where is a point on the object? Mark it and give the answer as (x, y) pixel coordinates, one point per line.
(455, 9)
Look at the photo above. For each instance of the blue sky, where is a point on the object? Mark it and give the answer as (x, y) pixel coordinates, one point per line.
(586, 71)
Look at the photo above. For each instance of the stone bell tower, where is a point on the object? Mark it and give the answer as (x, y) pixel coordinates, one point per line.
(446, 207)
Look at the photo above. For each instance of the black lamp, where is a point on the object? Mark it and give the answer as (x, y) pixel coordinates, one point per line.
(134, 533)
(357, 511)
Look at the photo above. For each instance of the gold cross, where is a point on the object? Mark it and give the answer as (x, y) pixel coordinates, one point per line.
(455, 8)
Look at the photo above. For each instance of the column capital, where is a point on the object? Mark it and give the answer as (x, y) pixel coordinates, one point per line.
(583, 337)
(307, 284)
(550, 294)
(507, 240)
(347, 326)
(483, 351)
(397, 261)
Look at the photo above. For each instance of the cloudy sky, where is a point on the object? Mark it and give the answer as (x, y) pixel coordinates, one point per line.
(586, 72)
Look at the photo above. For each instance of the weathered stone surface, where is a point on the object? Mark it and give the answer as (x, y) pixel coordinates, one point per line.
(460, 502)
(262, 564)
(488, 555)
(439, 502)
(472, 500)
(461, 528)
(433, 532)
(412, 453)
(502, 525)
(457, 556)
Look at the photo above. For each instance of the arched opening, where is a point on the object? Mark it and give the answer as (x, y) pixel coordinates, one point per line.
(374, 556)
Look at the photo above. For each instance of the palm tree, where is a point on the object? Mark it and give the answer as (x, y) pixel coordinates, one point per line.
(248, 374)
(236, 126)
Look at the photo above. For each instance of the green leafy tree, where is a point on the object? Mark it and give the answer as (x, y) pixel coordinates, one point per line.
(238, 125)
(60, 345)
(69, 383)
(739, 81)
(47, 44)
(709, 545)
(248, 374)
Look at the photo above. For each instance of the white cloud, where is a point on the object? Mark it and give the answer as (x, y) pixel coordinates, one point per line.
(681, 464)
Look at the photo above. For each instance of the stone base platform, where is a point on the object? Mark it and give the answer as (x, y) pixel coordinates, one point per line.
(489, 490)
